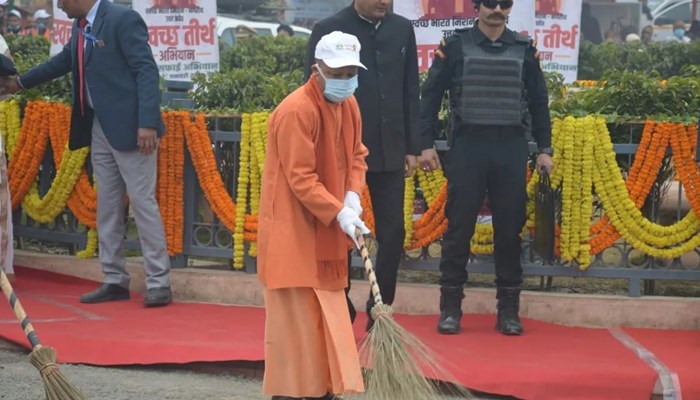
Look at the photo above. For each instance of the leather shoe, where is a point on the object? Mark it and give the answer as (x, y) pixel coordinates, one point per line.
(106, 292)
(158, 297)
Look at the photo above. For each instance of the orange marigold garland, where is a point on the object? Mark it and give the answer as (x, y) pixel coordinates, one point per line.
(29, 152)
(199, 146)
(171, 167)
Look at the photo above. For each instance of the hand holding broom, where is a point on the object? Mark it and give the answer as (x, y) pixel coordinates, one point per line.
(395, 360)
(43, 358)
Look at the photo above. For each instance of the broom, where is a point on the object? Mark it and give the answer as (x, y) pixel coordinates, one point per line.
(395, 359)
(43, 358)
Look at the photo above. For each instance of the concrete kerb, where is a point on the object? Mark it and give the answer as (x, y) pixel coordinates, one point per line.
(226, 287)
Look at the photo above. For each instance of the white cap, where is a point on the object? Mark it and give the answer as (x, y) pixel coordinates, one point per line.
(16, 13)
(338, 49)
(3, 3)
(41, 14)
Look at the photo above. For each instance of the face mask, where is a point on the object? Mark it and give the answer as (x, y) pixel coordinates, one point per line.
(679, 32)
(338, 90)
(41, 28)
(14, 29)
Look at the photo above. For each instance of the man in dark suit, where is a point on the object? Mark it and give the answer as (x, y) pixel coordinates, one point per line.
(116, 111)
(388, 99)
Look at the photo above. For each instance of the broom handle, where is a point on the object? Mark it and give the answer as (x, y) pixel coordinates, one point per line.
(19, 310)
(369, 268)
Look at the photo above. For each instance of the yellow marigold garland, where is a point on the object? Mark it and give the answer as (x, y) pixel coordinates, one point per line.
(90, 249)
(10, 124)
(408, 207)
(244, 167)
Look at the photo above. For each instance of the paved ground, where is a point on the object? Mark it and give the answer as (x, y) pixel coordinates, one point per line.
(19, 380)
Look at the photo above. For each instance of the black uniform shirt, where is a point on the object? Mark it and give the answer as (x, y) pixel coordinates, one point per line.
(446, 71)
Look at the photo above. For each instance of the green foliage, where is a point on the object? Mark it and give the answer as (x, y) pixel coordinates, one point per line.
(269, 55)
(665, 59)
(30, 51)
(636, 96)
(556, 89)
(256, 74)
(243, 90)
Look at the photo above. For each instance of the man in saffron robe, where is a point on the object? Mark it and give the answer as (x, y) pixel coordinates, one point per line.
(309, 212)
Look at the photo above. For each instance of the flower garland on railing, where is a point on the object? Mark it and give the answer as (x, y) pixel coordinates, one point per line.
(251, 164)
(258, 149)
(171, 175)
(245, 165)
(68, 164)
(10, 124)
(28, 153)
(90, 249)
(584, 158)
(199, 146)
(408, 209)
(650, 238)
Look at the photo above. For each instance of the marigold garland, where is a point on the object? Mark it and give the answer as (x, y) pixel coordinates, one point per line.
(408, 208)
(199, 146)
(90, 249)
(171, 175)
(584, 158)
(29, 152)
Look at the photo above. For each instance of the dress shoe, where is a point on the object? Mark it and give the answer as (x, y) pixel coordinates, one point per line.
(158, 297)
(106, 292)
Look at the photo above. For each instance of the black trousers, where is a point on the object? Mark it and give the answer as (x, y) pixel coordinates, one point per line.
(386, 190)
(490, 164)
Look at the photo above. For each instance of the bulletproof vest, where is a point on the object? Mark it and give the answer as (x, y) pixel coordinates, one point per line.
(491, 91)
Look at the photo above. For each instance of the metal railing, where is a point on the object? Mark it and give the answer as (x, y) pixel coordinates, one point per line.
(205, 236)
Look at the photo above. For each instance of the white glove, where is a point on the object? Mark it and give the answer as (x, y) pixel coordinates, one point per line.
(352, 200)
(349, 221)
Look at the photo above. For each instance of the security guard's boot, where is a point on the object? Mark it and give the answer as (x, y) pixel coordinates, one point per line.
(450, 309)
(508, 321)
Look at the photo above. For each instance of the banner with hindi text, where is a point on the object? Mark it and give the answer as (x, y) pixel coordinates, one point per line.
(60, 34)
(182, 34)
(437, 19)
(558, 36)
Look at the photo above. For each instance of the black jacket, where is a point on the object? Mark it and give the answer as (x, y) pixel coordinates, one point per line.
(388, 89)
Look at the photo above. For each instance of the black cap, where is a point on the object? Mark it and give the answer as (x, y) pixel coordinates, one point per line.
(7, 66)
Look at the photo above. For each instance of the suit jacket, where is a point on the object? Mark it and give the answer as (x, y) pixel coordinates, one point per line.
(388, 89)
(121, 75)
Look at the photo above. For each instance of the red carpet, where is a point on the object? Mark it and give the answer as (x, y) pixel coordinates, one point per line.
(548, 362)
(678, 350)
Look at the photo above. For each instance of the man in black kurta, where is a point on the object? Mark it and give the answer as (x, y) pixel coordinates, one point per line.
(388, 99)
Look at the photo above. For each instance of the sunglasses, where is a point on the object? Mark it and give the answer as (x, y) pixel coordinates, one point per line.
(492, 4)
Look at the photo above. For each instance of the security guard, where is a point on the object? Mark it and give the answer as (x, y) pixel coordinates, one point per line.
(497, 97)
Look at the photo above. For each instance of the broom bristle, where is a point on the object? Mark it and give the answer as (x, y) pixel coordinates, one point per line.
(396, 362)
(56, 384)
